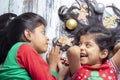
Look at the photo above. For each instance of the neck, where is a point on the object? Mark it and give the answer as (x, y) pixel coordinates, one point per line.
(96, 65)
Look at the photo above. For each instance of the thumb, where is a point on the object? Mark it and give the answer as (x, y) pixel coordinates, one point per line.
(47, 57)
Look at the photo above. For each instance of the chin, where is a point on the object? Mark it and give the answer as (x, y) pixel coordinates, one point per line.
(83, 63)
(44, 50)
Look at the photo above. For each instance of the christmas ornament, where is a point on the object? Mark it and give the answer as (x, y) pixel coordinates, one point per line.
(71, 24)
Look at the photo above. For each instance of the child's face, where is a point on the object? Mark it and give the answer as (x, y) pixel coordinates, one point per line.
(89, 51)
(38, 39)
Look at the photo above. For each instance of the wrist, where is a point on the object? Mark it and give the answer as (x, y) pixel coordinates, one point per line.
(53, 67)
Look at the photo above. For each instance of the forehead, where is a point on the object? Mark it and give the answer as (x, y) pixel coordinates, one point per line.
(41, 27)
(87, 37)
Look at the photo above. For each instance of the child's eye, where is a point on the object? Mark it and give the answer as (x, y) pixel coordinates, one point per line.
(88, 45)
(80, 43)
(43, 32)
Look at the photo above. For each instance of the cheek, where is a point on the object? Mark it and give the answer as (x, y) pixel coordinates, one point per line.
(40, 38)
(42, 48)
(44, 44)
(89, 50)
(92, 52)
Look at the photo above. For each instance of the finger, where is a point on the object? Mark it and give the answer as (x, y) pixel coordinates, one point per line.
(64, 58)
(53, 49)
(66, 64)
(57, 49)
(60, 53)
(47, 56)
(62, 61)
(61, 58)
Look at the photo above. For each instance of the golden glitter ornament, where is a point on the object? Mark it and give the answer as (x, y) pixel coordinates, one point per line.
(71, 24)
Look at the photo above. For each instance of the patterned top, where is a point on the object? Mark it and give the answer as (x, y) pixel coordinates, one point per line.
(108, 71)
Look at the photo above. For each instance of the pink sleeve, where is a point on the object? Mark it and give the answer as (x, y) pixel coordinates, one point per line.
(29, 59)
(114, 66)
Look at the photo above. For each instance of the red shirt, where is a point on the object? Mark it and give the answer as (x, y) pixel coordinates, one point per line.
(30, 60)
(105, 72)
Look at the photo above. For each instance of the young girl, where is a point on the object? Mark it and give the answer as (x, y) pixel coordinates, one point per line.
(89, 60)
(22, 39)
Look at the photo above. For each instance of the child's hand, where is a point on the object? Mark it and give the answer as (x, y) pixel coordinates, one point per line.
(63, 67)
(73, 51)
(73, 54)
(54, 57)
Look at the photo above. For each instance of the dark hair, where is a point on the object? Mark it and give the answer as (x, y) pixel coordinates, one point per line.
(116, 14)
(13, 28)
(101, 35)
(94, 15)
(66, 13)
(116, 36)
(115, 31)
(5, 19)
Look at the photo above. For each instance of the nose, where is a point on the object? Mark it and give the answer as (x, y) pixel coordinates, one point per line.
(82, 47)
(47, 38)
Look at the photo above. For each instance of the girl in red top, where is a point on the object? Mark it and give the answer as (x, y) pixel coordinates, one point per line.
(89, 60)
(22, 39)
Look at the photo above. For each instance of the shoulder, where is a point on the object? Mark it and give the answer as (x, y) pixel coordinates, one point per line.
(27, 54)
(26, 47)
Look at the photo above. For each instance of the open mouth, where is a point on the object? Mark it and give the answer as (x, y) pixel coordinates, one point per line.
(83, 55)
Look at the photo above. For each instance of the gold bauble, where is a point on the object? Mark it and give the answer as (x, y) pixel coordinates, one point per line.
(71, 24)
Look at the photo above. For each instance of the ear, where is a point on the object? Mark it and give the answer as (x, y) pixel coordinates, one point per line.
(104, 54)
(27, 34)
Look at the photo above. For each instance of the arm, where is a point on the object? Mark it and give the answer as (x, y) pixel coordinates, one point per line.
(116, 57)
(53, 58)
(73, 55)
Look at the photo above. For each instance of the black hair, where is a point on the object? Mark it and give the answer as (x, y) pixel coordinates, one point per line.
(101, 35)
(94, 15)
(115, 31)
(117, 14)
(115, 36)
(67, 13)
(13, 27)
(5, 19)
